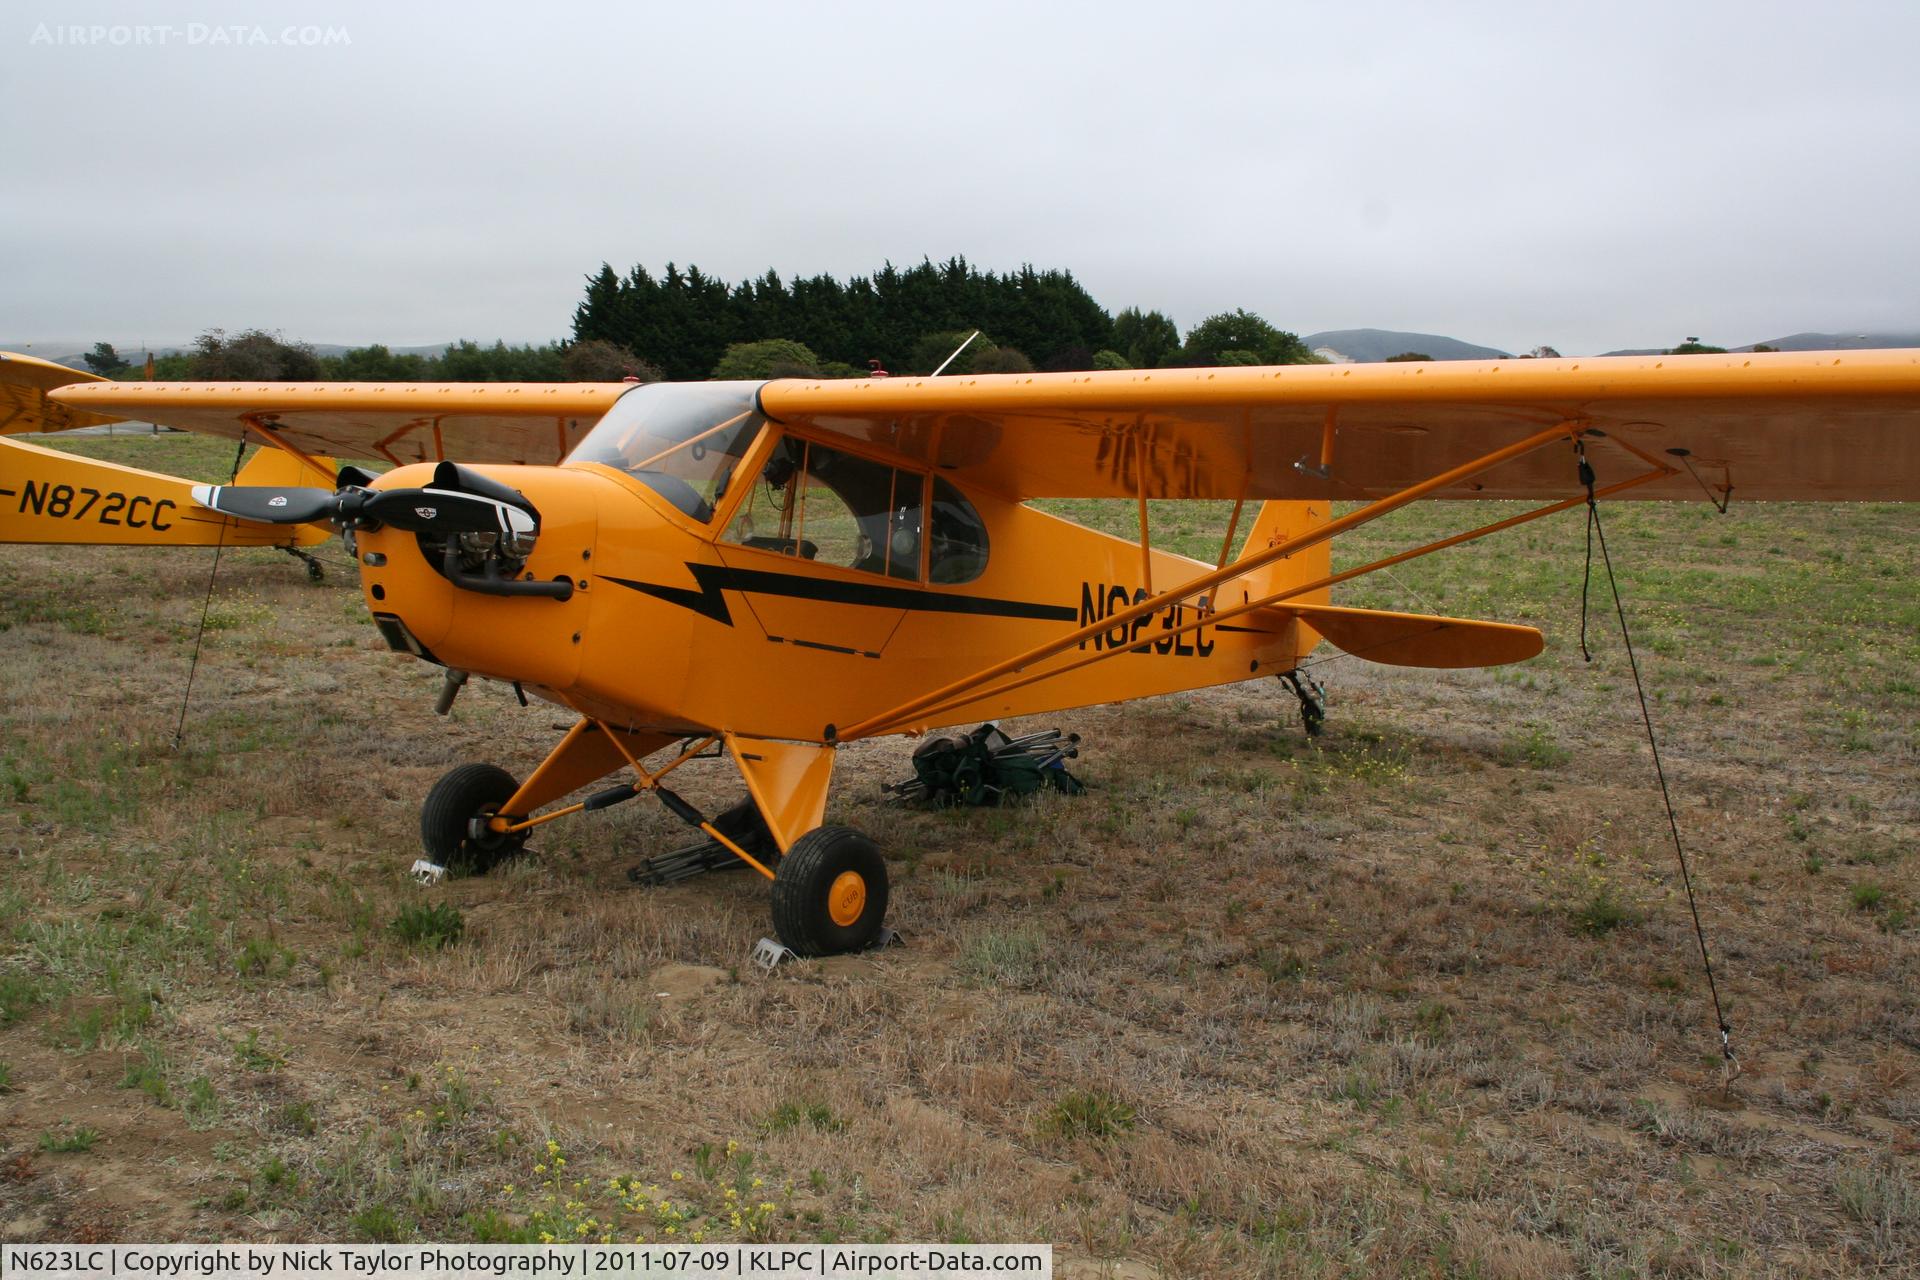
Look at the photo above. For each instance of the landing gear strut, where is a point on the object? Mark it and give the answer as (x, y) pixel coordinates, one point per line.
(1313, 700)
(829, 889)
(315, 571)
(741, 824)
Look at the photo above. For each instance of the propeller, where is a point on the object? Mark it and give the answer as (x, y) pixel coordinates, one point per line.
(458, 501)
(487, 527)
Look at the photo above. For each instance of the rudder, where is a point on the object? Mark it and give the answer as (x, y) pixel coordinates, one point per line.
(1277, 522)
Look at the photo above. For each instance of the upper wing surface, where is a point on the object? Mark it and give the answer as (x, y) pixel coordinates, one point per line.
(396, 422)
(1790, 425)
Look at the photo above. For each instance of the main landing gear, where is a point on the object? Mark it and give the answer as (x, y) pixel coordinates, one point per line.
(453, 821)
(829, 889)
(315, 571)
(830, 893)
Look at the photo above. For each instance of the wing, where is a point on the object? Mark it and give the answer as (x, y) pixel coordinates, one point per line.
(24, 405)
(1789, 425)
(398, 422)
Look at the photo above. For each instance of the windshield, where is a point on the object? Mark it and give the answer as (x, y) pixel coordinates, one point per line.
(680, 439)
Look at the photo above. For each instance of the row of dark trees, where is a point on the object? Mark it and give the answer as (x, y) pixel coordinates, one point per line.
(684, 321)
(691, 323)
(688, 325)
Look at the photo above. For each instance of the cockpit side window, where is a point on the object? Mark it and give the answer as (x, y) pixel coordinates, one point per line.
(956, 537)
(823, 504)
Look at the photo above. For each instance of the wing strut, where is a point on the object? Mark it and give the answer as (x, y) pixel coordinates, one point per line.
(924, 709)
(644, 782)
(1280, 597)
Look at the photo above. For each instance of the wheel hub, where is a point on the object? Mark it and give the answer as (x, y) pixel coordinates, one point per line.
(847, 898)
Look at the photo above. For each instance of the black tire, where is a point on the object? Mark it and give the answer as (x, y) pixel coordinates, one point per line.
(468, 792)
(812, 902)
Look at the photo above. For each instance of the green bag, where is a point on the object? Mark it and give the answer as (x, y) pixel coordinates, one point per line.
(987, 767)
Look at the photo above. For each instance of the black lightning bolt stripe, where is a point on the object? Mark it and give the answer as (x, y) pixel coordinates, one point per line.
(714, 579)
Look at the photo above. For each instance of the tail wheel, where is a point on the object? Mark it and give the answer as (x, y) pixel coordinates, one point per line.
(830, 893)
(458, 805)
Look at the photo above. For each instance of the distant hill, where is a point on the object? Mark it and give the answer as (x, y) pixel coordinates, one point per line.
(1368, 346)
(1839, 341)
(1805, 342)
(69, 353)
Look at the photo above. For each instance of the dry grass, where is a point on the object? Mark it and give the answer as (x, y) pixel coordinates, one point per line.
(1418, 997)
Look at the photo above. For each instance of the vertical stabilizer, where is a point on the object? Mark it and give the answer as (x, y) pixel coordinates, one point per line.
(1277, 522)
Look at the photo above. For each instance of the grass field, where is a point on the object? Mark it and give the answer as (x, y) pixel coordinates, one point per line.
(1419, 997)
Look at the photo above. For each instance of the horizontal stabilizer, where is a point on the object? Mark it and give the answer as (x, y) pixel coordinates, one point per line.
(24, 406)
(1419, 639)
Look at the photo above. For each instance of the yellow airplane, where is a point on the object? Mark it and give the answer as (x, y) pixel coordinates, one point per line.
(51, 497)
(786, 566)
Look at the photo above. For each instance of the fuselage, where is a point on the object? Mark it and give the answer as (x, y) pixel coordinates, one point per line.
(729, 574)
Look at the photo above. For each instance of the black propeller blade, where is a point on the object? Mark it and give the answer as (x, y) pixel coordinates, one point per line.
(451, 475)
(468, 503)
(268, 504)
(442, 511)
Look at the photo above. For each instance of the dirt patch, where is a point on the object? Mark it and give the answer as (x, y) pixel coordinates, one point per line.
(684, 981)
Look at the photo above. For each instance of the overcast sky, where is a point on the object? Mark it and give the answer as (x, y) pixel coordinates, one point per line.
(1584, 176)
